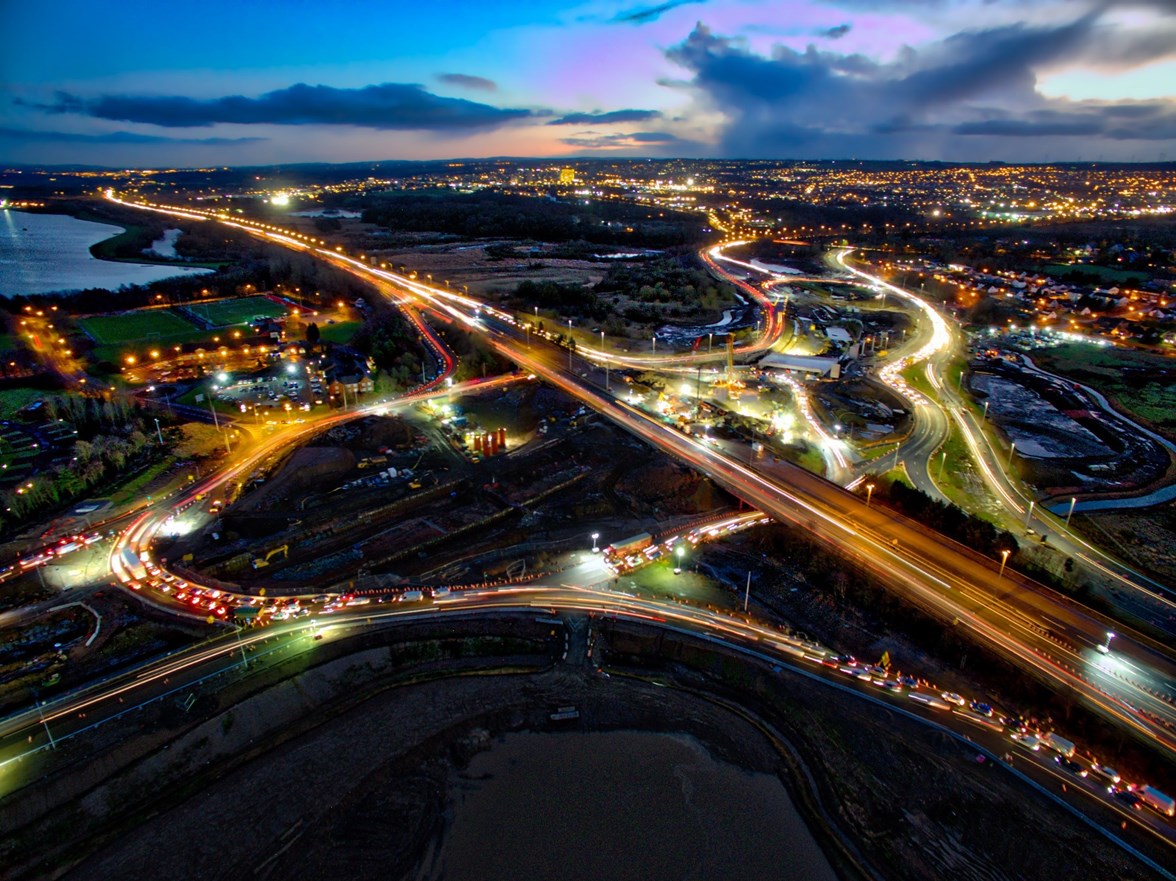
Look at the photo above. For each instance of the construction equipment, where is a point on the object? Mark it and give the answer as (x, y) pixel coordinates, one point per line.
(730, 382)
(262, 562)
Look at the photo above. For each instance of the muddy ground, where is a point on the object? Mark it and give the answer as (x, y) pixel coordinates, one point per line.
(361, 796)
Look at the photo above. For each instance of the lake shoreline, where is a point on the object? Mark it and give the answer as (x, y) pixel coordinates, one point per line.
(57, 254)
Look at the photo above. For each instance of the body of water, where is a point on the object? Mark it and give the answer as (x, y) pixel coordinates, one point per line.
(47, 253)
(626, 806)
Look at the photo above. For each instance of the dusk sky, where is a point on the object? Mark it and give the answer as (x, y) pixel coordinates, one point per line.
(262, 81)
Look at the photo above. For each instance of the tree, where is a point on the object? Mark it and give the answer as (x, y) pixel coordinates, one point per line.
(312, 333)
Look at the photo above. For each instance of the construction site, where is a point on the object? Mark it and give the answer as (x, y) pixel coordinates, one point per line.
(458, 492)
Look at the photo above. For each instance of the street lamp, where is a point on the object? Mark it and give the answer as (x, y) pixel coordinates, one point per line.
(604, 358)
(942, 462)
(679, 550)
(655, 344)
(595, 536)
(1070, 513)
(1004, 559)
(869, 493)
(1012, 449)
(569, 345)
(1105, 648)
(1029, 513)
(985, 417)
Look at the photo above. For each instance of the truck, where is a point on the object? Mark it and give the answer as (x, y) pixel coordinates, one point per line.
(1157, 801)
(1058, 744)
(132, 563)
(632, 545)
(412, 596)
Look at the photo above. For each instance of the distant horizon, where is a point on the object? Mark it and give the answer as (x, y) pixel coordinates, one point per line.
(565, 160)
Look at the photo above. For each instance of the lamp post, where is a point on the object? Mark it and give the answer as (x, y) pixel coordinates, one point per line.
(45, 722)
(604, 358)
(1004, 559)
(869, 493)
(655, 344)
(679, 550)
(241, 646)
(984, 418)
(569, 345)
(747, 593)
(212, 410)
(1012, 449)
(1029, 513)
(1070, 513)
(942, 462)
(158, 433)
(1105, 648)
(595, 536)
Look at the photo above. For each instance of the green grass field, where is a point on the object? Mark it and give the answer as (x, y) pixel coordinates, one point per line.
(1103, 273)
(1101, 367)
(340, 332)
(13, 399)
(227, 313)
(139, 326)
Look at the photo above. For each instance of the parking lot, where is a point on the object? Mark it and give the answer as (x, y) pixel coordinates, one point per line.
(279, 391)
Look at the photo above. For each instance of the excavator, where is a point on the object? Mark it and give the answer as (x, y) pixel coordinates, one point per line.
(262, 562)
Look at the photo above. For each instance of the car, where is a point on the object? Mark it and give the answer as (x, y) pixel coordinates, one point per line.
(981, 709)
(1126, 796)
(1071, 766)
(1029, 741)
(952, 698)
(1106, 772)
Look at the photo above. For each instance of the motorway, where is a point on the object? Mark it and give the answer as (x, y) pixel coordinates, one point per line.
(1040, 632)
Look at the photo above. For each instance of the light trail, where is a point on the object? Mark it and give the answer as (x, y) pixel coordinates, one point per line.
(933, 572)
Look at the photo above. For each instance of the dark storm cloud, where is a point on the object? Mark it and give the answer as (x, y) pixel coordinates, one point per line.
(401, 106)
(1024, 128)
(645, 14)
(931, 102)
(13, 134)
(836, 33)
(616, 141)
(465, 81)
(612, 116)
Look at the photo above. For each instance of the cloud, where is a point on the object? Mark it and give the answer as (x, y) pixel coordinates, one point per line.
(952, 99)
(120, 137)
(606, 118)
(836, 33)
(620, 140)
(465, 81)
(400, 106)
(1024, 128)
(646, 14)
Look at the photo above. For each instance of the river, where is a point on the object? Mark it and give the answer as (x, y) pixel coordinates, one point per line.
(623, 806)
(47, 253)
